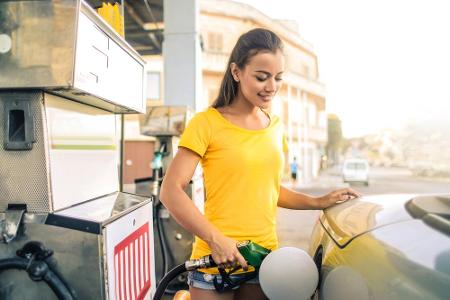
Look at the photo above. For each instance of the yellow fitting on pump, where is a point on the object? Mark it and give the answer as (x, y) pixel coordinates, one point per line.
(112, 14)
(117, 20)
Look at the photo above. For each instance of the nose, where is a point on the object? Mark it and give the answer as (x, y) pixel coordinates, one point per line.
(271, 85)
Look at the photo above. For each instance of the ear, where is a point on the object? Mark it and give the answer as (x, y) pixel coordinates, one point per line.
(235, 72)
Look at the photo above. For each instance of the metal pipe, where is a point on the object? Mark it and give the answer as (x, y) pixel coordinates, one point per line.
(122, 150)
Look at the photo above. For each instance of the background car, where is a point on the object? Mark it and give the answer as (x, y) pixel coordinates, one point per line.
(384, 247)
(356, 170)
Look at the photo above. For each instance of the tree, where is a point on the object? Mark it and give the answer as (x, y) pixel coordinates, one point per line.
(334, 138)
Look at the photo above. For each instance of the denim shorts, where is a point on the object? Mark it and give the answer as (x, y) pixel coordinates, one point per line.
(204, 281)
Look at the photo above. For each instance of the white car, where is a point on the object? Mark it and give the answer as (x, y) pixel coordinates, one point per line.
(356, 170)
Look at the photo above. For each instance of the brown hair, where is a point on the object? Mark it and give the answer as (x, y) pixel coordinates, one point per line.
(248, 45)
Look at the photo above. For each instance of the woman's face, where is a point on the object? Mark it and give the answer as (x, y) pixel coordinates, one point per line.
(261, 78)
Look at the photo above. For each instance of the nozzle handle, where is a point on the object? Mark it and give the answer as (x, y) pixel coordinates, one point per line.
(252, 253)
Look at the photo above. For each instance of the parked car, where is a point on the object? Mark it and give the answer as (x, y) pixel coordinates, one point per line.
(356, 170)
(384, 247)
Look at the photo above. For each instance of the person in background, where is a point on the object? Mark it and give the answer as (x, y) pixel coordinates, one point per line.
(240, 147)
(294, 171)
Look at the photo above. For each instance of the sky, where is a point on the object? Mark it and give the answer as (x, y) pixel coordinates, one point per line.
(385, 63)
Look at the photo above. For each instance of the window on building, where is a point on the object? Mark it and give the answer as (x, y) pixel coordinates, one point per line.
(215, 42)
(305, 70)
(322, 119)
(153, 85)
(295, 111)
(312, 110)
(212, 94)
(286, 112)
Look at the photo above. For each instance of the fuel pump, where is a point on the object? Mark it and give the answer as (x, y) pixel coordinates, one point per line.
(173, 244)
(66, 229)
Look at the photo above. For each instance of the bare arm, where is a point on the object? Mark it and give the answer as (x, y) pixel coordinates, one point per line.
(295, 200)
(184, 211)
(177, 201)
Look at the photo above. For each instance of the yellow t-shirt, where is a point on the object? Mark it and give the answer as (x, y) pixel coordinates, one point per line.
(242, 172)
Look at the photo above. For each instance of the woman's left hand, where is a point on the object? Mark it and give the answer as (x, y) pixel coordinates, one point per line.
(337, 196)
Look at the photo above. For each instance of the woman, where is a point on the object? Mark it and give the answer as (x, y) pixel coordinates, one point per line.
(240, 147)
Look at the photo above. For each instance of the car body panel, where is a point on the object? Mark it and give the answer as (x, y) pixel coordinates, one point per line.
(347, 220)
(390, 257)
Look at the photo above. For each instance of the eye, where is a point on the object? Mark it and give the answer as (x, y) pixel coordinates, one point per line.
(261, 78)
(278, 79)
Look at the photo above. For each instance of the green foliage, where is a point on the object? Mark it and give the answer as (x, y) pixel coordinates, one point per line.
(334, 133)
(334, 138)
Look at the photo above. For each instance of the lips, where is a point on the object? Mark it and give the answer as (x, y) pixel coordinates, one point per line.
(265, 98)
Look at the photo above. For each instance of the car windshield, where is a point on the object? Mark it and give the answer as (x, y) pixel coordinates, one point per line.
(355, 166)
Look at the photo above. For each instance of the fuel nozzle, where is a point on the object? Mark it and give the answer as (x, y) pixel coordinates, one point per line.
(252, 253)
(200, 263)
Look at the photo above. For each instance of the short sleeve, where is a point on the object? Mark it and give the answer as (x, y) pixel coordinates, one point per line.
(197, 134)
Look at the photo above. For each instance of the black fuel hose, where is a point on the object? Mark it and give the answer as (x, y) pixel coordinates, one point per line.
(165, 251)
(193, 264)
(38, 270)
(161, 288)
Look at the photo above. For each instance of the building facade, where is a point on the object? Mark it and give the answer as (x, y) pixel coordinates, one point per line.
(301, 100)
(300, 103)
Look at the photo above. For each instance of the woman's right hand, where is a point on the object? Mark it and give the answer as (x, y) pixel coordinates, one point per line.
(225, 253)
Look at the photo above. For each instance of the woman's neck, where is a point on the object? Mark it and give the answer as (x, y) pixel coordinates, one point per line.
(241, 106)
(246, 115)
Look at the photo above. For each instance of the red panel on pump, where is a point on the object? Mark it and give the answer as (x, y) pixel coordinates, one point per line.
(132, 265)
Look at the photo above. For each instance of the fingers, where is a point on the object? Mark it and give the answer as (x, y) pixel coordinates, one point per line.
(346, 194)
(233, 260)
(344, 197)
(224, 265)
(354, 193)
(223, 261)
(228, 265)
(225, 253)
(242, 261)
